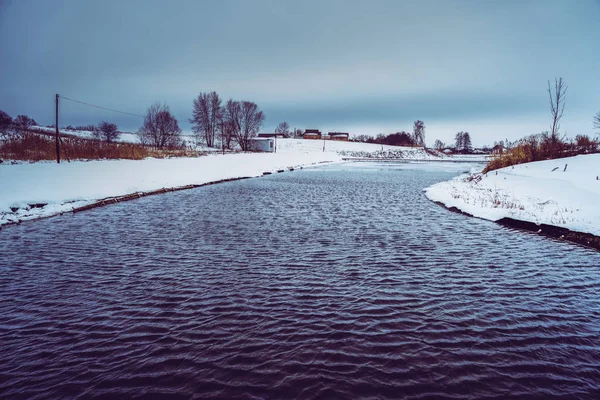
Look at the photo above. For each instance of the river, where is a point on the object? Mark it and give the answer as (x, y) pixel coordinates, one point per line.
(341, 281)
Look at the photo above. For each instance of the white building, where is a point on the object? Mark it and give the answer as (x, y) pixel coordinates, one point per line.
(262, 144)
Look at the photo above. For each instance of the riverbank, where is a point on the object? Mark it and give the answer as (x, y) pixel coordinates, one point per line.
(42, 189)
(559, 198)
(37, 190)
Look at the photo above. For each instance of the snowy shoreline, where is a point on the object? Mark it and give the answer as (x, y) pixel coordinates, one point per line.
(42, 189)
(545, 197)
(39, 190)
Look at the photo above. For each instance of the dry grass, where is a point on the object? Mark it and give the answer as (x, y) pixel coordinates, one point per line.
(173, 153)
(542, 147)
(35, 147)
(512, 156)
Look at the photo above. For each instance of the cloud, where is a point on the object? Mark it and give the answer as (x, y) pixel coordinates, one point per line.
(325, 63)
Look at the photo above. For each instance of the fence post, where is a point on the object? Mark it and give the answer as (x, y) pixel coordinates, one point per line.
(57, 137)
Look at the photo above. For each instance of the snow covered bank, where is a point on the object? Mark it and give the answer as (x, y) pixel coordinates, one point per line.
(360, 150)
(34, 190)
(539, 192)
(374, 152)
(29, 191)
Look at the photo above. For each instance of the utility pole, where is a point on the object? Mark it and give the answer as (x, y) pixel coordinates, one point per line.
(57, 137)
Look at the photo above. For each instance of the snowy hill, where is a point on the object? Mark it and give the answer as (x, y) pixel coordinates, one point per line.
(358, 150)
(124, 137)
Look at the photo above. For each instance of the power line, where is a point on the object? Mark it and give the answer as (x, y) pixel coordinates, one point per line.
(103, 108)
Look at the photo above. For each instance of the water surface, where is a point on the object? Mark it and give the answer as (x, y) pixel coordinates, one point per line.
(337, 282)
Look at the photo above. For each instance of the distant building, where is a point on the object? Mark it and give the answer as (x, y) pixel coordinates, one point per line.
(312, 134)
(498, 149)
(342, 136)
(271, 135)
(266, 145)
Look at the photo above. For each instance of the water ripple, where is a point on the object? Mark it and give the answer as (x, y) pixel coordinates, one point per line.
(313, 284)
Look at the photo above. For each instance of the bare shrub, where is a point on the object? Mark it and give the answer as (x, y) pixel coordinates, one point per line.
(23, 123)
(6, 123)
(283, 128)
(160, 128)
(542, 146)
(107, 131)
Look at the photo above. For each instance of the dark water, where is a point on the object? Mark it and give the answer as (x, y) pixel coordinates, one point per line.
(311, 284)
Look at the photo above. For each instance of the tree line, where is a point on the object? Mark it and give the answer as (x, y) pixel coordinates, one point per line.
(234, 120)
(218, 123)
(462, 143)
(403, 138)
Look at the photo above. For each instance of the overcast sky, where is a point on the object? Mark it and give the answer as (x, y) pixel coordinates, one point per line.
(357, 66)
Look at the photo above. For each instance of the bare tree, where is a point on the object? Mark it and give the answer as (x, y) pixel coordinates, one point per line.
(226, 129)
(160, 128)
(284, 128)
(245, 120)
(462, 142)
(458, 141)
(106, 131)
(231, 118)
(251, 122)
(439, 145)
(596, 121)
(6, 123)
(362, 138)
(557, 103)
(22, 123)
(419, 133)
(206, 117)
(467, 145)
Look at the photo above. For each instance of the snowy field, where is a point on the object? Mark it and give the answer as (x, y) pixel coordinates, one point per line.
(539, 192)
(62, 187)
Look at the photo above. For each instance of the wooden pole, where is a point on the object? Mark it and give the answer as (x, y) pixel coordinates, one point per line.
(57, 137)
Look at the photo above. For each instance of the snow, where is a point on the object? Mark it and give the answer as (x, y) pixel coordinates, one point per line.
(539, 192)
(356, 149)
(68, 185)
